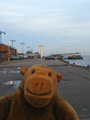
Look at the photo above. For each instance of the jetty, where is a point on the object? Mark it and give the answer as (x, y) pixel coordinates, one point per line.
(66, 56)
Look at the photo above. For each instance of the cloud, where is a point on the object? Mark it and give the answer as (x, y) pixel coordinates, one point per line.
(35, 17)
(46, 19)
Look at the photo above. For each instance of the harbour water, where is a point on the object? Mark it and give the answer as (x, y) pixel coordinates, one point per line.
(81, 62)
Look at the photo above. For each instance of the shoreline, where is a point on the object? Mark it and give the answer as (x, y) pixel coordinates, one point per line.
(86, 67)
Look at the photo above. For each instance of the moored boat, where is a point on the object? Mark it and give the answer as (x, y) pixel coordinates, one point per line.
(75, 57)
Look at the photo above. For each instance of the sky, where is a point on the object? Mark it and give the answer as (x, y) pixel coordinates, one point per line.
(61, 26)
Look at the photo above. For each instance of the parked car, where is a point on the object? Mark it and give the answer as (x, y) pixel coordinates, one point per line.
(11, 58)
(21, 57)
(50, 58)
(25, 57)
(16, 58)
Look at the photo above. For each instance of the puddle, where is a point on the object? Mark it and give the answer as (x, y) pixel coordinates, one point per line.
(7, 70)
(12, 71)
(14, 83)
(3, 72)
(18, 68)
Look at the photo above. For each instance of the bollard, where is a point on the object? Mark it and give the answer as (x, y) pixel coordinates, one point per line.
(8, 59)
(0, 60)
(73, 64)
(87, 66)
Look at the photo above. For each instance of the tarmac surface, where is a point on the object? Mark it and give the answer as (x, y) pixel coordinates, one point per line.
(74, 87)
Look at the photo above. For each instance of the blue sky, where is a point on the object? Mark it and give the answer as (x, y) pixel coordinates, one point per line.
(61, 26)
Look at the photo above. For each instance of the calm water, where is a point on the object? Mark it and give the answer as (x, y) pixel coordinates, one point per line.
(82, 62)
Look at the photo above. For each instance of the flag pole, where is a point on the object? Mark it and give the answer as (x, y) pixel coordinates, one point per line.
(8, 50)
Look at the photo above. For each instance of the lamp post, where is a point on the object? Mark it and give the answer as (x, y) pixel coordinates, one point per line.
(8, 50)
(12, 42)
(32, 50)
(28, 48)
(12, 46)
(1, 43)
(22, 47)
(1, 36)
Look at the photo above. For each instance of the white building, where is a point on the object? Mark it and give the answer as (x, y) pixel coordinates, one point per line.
(41, 50)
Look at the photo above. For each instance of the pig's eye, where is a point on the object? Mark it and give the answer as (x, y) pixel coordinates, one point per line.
(33, 71)
(49, 74)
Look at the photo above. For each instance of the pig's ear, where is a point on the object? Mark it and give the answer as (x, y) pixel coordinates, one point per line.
(59, 77)
(23, 70)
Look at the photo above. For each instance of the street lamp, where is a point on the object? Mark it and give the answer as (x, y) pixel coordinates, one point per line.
(22, 47)
(28, 48)
(8, 50)
(1, 42)
(13, 52)
(1, 36)
(12, 42)
(32, 50)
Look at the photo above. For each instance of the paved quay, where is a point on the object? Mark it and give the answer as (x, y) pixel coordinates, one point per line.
(74, 87)
(30, 62)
